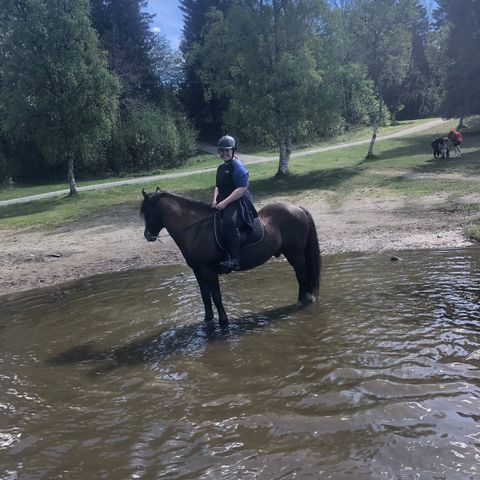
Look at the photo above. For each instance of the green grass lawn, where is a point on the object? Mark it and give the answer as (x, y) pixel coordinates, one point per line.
(340, 173)
(197, 162)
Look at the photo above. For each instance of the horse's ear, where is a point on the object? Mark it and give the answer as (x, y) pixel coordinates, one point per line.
(158, 190)
(144, 193)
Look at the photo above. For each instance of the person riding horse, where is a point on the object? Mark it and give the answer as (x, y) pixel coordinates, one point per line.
(232, 197)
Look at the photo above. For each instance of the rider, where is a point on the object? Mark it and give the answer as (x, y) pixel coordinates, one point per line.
(232, 197)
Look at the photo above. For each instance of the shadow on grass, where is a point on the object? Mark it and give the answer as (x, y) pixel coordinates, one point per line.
(324, 179)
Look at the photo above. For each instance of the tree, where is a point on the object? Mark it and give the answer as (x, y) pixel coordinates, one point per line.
(264, 57)
(55, 90)
(462, 88)
(124, 31)
(420, 93)
(357, 89)
(205, 111)
(382, 41)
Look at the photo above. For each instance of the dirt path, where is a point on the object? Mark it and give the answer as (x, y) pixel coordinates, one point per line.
(30, 259)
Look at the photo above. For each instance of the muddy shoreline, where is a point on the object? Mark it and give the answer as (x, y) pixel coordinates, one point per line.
(38, 258)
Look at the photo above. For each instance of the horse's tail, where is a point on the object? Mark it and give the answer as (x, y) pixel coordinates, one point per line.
(312, 257)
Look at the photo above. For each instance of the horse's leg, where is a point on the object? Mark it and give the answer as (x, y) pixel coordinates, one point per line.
(217, 299)
(297, 261)
(206, 294)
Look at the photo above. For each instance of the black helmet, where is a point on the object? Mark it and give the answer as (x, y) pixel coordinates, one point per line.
(226, 142)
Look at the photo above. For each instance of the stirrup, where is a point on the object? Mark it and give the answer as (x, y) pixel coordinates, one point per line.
(230, 265)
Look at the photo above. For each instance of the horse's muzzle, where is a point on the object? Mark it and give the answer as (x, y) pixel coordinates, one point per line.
(149, 236)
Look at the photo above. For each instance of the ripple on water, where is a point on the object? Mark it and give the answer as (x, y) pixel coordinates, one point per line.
(116, 377)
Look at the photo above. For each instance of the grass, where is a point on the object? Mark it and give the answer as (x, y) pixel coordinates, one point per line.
(339, 173)
(198, 161)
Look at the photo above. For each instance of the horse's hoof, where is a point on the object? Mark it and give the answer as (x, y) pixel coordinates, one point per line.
(223, 322)
(307, 300)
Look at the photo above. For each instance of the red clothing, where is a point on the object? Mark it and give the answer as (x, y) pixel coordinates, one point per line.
(455, 138)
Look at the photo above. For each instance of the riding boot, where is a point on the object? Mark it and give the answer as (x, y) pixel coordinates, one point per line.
(234, 244)
(234, 249)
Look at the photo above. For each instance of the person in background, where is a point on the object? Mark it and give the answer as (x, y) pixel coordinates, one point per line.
(456, 139)
(232, 197)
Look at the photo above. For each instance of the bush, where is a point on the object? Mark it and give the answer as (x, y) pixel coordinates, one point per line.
(151, 139)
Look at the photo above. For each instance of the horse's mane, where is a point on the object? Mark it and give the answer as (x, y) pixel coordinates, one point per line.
(197, 205)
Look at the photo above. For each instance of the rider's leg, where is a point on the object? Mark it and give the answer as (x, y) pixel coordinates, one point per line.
(231, 223)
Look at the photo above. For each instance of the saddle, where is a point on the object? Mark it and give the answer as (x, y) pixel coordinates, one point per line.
(248, 237)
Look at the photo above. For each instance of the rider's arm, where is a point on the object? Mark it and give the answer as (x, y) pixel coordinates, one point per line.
(235, 195)
(215, 195)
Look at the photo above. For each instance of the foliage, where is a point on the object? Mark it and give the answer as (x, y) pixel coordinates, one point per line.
(55, 90)
(149, 139)
(125, 34)
(167, 63)
(462, 87)
(205, 111)
(265, 59)
(382, 39)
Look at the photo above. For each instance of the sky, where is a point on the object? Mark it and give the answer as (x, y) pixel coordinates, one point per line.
(168, 20)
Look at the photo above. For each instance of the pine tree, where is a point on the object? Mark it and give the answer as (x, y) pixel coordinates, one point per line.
(124, 31)
(462, 86)
(205, 112)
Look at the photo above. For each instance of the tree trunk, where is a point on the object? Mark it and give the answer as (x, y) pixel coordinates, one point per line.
(71, 175)
(460, 123)
(376, 125)
(285, 147)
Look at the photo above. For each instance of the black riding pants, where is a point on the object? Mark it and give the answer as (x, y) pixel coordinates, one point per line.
(232, 222)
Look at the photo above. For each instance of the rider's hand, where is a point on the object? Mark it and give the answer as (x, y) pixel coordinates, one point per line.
(214, 204)
(221, 205)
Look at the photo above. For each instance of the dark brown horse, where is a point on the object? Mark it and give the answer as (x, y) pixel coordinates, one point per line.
(289, 230)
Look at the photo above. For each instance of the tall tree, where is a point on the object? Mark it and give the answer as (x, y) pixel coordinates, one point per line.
(263, 57)
(205, 111)
(462, 87)
(418, 82)
(383, 41)
(55, 90)
(124, 31)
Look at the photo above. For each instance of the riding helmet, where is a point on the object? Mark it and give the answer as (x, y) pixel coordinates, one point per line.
(226, 142)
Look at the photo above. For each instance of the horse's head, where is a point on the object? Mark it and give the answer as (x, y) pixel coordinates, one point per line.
(153, 222)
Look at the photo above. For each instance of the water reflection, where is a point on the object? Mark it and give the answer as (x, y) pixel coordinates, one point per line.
(116, 376)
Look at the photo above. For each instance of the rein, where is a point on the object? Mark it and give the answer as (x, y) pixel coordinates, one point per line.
(181, 230)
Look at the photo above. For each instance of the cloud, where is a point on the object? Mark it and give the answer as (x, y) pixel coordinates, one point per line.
(168, 19)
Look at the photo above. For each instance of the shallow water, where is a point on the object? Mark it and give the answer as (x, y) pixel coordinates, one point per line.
(115, 377)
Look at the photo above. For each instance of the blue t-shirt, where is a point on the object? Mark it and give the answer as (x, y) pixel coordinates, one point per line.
(240, 173)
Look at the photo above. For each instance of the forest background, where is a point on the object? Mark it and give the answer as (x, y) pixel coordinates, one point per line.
(87, 89)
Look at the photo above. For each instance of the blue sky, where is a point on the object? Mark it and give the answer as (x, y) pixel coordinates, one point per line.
(168, 20)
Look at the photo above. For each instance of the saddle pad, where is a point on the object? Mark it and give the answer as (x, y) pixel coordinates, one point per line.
(248, 237)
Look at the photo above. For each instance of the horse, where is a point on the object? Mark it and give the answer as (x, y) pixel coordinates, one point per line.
(288, 230)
